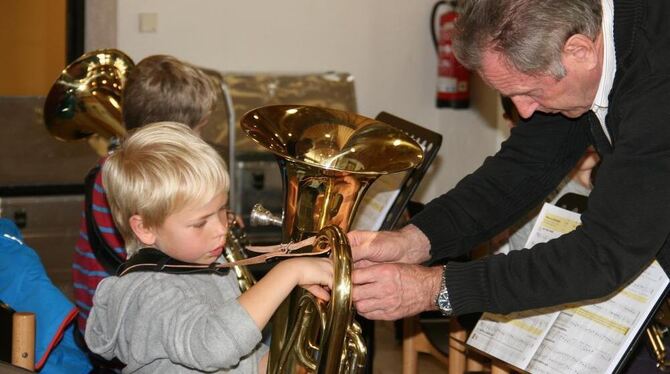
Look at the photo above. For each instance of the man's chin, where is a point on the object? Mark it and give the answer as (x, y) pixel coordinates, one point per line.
(574, 113)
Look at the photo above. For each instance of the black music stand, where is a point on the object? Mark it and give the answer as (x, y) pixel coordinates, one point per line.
(430, 142)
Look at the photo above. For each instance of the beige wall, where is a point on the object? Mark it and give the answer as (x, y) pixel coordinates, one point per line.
(385, 44)
(100, 24)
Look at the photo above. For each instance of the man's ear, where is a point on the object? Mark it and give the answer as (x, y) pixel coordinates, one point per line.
(145, 234)
(580, 50)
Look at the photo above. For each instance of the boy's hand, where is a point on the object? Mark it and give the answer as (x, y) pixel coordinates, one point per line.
(313, 274)
(319, 292)
(263, 298)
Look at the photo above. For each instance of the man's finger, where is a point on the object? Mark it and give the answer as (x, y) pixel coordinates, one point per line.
(372, 312)
(364, 276)
(356, 237)
(365, 292)
(361, 264)
(379, 315)
(370, 304)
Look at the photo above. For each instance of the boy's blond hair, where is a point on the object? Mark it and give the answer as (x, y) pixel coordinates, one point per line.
(163, 88)
(158, 170)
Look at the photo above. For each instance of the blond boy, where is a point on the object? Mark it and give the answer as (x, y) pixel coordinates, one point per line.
(167, 190)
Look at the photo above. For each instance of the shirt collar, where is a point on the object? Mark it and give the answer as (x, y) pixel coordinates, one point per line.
(609, 61)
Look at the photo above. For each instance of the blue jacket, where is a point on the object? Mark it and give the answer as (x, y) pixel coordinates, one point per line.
(25, 286)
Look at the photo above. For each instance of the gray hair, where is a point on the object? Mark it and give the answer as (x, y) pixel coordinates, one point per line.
(530, 34)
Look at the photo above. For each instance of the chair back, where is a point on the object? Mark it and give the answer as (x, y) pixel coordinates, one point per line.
(17, 337)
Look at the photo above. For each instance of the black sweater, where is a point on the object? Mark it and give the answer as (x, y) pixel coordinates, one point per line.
(627, 222)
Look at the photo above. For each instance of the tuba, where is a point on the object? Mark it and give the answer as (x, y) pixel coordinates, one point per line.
(328, 159)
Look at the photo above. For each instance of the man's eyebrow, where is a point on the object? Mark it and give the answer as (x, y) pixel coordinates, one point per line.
(521, 93)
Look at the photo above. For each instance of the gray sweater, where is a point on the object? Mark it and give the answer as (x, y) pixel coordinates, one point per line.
(165, 323)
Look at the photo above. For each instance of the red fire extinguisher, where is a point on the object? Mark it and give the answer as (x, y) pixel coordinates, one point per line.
(453, 89)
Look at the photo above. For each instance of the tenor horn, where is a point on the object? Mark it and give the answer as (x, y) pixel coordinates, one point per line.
(85, 100)
(327, 159)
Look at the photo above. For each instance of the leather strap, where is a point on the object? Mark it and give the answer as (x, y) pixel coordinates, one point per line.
(152, 259)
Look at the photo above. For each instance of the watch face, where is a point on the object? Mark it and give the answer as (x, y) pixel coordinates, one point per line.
(443, 303)
(443, 300)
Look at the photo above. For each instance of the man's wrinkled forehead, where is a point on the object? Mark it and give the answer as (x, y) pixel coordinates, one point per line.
(496, 72)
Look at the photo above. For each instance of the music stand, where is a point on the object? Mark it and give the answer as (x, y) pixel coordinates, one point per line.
(430, 142)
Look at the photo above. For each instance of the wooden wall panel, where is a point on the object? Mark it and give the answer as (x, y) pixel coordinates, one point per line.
(32, 45)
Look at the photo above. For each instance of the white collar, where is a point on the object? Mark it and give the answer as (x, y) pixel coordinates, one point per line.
(601, 102)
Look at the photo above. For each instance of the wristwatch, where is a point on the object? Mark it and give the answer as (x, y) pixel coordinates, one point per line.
(442, 301)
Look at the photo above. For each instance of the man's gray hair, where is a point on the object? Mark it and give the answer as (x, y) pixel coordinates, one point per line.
(530, 34)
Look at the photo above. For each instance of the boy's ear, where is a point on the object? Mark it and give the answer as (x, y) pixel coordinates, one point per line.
(144, 234)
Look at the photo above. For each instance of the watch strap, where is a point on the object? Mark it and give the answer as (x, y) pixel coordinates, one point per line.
(442, 301)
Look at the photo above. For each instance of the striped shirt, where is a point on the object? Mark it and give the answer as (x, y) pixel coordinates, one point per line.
(87, 271)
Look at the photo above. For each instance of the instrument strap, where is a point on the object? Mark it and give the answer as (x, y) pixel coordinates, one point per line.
(103, 252)
(152, 259)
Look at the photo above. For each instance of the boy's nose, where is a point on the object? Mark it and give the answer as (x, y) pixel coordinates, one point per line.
(222, 226)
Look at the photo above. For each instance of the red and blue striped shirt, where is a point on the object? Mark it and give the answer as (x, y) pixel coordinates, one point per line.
(87, 271)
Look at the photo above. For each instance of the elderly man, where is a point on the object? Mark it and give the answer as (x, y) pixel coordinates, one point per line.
(581, 72)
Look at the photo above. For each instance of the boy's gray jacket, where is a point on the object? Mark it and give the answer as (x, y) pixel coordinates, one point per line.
(166, 323)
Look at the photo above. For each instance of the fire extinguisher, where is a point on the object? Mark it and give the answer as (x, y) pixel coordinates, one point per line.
(453, 89)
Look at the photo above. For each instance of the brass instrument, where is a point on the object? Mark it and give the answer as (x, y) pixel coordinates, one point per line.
(236, 242)
(85, 102)
(328, 159)
(657, 330)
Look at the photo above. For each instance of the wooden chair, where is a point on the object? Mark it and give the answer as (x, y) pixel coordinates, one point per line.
(23, 340)
(18, 338)
(414, 341)
(446, 344)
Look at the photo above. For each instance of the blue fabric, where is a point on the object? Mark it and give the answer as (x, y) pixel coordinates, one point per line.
(25, 286)
(8, 227)
(67, 357)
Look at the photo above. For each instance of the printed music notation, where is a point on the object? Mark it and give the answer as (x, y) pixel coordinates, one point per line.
(581, 338)
(377, 202)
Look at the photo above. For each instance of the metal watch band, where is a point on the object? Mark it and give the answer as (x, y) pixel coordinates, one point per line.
(442, 301)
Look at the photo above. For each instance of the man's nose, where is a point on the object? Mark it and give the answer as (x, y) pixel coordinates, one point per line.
(525, 106)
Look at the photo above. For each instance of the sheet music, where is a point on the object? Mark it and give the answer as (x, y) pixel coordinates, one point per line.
(592, 338)
(377, 202)
(513, 338)
(582, 338)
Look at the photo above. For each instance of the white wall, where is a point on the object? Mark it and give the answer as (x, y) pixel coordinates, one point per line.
(386, 45)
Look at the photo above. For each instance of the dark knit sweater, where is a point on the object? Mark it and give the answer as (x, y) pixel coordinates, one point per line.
(627, 222)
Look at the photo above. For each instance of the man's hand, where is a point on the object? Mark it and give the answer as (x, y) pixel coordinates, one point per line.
(393, 291)
(408, 245)
(387, 282)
